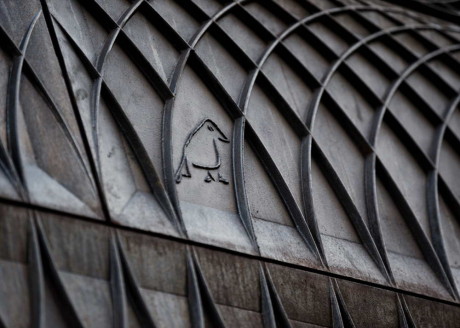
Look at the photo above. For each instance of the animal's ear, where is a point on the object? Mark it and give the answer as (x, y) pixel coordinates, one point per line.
(210, 128)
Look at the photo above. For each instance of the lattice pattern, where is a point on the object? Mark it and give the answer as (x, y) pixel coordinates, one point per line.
(446, 9)
(320, 134)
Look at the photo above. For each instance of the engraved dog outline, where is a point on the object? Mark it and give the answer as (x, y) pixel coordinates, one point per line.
(184, 169)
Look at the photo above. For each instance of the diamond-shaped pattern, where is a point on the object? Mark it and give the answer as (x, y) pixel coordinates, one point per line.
(317, 138)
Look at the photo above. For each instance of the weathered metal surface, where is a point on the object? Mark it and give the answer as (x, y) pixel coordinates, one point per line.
(229, 163)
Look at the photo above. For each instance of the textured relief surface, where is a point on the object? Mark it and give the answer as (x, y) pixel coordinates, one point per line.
(192, 163)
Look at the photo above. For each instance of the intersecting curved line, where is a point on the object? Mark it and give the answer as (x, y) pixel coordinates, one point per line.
(202, 306)
(6, 163)
(57, 115)
(248, 86)
(196, 38)
(180, 67)
(239, 138)
(243, 207)
(13, 103)
(273, 313)
(442, 31)
(431, 187)
(16, 174)
(349, 52)
(308, 233)
(238, 135)
(244, 100)
(370, 203)
(336, 66)
(451, 109)
(96, 89)
(312, 240)
(20, 64)
(199, 34)
(42, 267)
(125, 289)
(168, 164)
(131, 135)
(378, 118)
(433, 194)
(370, 173)
(425, 39)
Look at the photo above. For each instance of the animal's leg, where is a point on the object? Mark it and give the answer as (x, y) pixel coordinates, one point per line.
(179, 173)
(209, 177)
(183, 171)
(187, 173)
(221, 178)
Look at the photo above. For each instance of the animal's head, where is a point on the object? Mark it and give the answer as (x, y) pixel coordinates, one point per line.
(212, 129)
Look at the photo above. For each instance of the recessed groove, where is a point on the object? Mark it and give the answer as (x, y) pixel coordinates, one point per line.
(189, 242)
(412, 222)
(283, 190)
(345, 195)
(12, 104)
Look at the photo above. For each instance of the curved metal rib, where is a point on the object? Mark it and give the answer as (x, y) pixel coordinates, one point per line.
(125, 289)
(283, 190)
(133, 139)
(12, 104)
(168, 172)
(352, 212)
(433, 194)
(238, 164)
(6, 163)
(249, 84)
(333, 69)
(96, 89)
(305, 159)
(340, 315)
(28, 70)
(200, 300)
(21, 66)
(238, 135)
(273, 312)
(369, 178)
(420, 237)
(378, 118)
(437, 266)
(141, 154)
(44, 268)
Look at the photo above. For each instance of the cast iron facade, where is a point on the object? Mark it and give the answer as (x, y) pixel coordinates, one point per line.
(286, 163)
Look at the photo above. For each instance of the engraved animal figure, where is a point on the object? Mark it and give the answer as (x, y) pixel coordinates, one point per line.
(206, 135)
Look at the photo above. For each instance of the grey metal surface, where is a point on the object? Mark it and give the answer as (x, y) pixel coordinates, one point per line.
(228, 163)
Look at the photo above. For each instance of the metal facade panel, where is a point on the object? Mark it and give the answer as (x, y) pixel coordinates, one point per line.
(192, 163)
